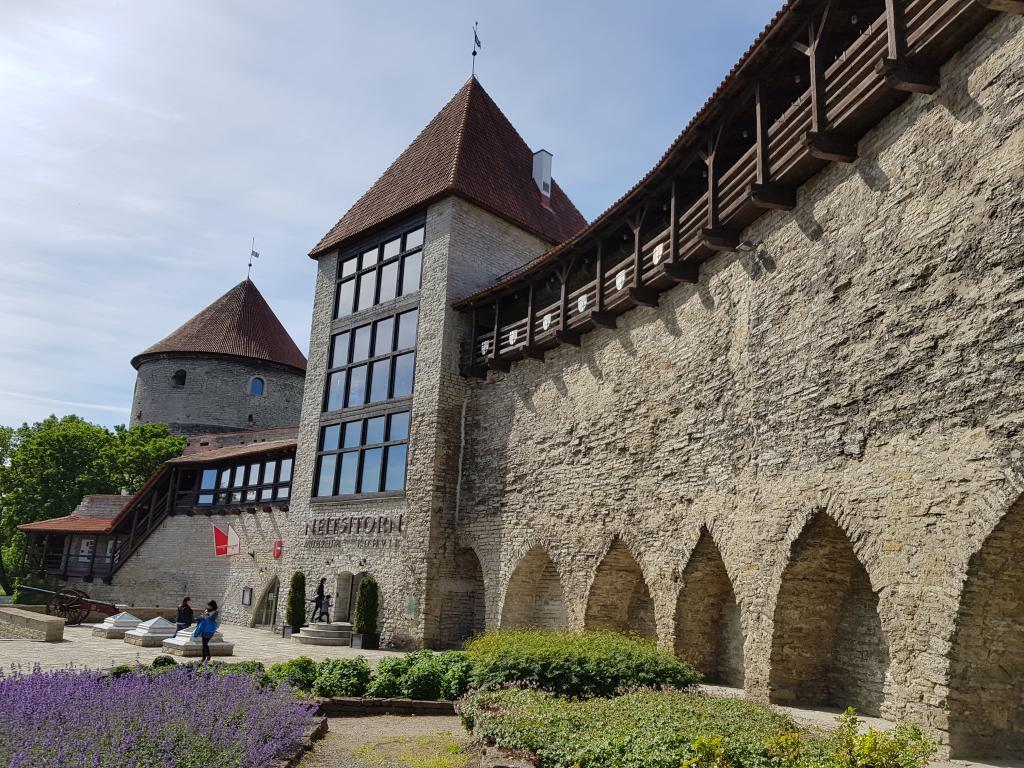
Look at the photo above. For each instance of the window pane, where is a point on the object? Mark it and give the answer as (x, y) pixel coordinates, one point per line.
(369, 481)
(404, 365)
(399, 426)
(411, 272)
(394, 478)
(392, 248)
(266, 493)
(225, 478)
(256, 386)
(250, 495)
(239, 478)
(349, 470)
(361, 343)
(331, 438)
(339, 350)
(205, 498)
(283, 491)
(389, 281)
(268, 471)
(367, 286)
(374, 431)
(335, 390)
(383, 336)
(209, 479)
(346, 292)
(254, 474)
(325, 481)
(286, 471)
(414, 239)
(407, 330)
(369, 258)
(356, 386)
(380, 378)
(349, 266)
(353, 434)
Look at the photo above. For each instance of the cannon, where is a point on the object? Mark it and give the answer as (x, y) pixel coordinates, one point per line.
(72, 605)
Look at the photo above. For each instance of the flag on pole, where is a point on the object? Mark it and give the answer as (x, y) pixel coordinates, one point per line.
(254, 254)
(476, 39)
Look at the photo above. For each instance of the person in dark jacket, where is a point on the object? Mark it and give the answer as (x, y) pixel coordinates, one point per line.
(207, 627)
(319, 607)
(185, 615)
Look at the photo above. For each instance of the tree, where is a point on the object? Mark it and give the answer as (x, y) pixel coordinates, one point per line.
(297, 601)
(367, 606)
(46, 469)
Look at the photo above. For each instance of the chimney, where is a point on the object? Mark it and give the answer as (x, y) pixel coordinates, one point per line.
(542, 172)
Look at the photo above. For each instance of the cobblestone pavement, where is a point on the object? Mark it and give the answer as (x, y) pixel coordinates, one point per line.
(349, 735)
(82, 649)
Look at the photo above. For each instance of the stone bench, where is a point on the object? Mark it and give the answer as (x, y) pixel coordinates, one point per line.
(27, 625)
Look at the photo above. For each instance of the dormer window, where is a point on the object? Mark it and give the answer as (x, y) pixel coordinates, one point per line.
(256, 386)
(179, 377)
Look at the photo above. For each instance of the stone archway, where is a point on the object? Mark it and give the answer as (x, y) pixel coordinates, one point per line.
(534, 596)
(462, 600)
(265, 615)
(619, 598)
(708, 631)
(828, 647)
(986, 709)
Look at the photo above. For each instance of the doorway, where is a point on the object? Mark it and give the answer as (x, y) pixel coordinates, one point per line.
(266, 611)
(345, 595)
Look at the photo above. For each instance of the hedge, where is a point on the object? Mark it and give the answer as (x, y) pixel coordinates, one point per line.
(576, 664)
(666, 729)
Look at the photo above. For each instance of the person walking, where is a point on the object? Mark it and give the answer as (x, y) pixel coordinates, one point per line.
(185, 615)
(318, 603)
(207, 627)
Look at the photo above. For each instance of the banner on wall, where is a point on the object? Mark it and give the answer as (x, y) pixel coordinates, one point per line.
(225, 542)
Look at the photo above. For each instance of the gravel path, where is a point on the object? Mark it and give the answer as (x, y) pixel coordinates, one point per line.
(348, 735)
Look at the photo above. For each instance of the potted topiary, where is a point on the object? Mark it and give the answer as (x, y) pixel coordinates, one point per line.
(296, 615)
(364, 627)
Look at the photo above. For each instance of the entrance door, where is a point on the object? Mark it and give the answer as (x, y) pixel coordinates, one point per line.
(345, 597)
(266, 612)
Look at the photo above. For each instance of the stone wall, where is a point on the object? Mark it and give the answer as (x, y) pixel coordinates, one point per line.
(860, 372)
(215, 396)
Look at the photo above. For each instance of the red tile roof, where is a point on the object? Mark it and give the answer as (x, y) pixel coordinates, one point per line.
(95, 513)
(240, 324)
(471, 150)
(233, 451)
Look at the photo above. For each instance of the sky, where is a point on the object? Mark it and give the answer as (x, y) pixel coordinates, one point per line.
(144, 144)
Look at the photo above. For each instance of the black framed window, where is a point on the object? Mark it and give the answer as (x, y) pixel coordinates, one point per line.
(390, 269)
(246, 482)
(372, 363)
(363, 456)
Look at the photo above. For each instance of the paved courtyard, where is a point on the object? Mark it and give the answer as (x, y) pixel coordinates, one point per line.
(82, 649)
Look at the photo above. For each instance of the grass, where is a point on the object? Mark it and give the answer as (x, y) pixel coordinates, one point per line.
(441, 750)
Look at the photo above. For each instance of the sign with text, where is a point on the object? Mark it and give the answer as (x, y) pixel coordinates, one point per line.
(374, 531)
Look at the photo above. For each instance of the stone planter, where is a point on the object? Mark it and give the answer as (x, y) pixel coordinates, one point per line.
(366, 641)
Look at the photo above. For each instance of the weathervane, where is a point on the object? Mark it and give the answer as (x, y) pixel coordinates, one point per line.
(476, 46)
(253, 254)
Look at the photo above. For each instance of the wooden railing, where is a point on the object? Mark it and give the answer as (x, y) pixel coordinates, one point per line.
(856, 94)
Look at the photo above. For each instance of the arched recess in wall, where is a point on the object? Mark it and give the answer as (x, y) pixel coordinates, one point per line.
(708, 631)
(986, 711)
(828, 648)
(462, 600)
(266, 614)
(619, 598)
(534, 596)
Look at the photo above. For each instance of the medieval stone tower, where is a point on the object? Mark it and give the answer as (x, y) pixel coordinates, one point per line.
(231, 367)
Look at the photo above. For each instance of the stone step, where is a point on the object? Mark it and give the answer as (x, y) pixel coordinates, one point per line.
(339, 633)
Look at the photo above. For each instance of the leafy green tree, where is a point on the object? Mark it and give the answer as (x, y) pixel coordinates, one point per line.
(367, 606)
(296, 615)
(46, 469)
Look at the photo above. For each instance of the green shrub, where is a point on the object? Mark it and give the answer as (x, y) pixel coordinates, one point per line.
(455, 676)
(121, 670)
(663, 729)
(423, 679)
(575, 664)
(296, 613)
(23, 597)
(164, 661)
(342, 677)
(299, 673)
(367, 606)
(387, 677)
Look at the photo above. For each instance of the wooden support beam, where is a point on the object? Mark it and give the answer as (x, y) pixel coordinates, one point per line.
(533, 352)
(720, 239)
(673, 225)
(1003, 6)
(648, 297)
(564, 336)
(682, 272)
(764, 172)
(603, 319)
(493, 361)
(826, 146)
(778, 197)
(599, 277)
(636, 223)
(528, 341)
(901, 75)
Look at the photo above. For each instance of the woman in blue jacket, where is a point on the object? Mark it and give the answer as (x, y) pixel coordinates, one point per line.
(207, 626)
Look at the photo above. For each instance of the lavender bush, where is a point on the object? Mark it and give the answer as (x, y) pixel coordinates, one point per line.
(185, 718)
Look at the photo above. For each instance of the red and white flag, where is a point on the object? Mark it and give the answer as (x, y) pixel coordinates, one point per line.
(225, 542)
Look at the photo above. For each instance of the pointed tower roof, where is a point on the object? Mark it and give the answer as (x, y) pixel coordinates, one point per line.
(240, 324)
(470, 149)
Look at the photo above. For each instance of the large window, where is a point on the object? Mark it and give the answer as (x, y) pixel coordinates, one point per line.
(372, 363)
(363, 456)
(375, 275)
(242, 483)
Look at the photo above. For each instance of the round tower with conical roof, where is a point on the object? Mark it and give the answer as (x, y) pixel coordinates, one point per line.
(231, 367)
